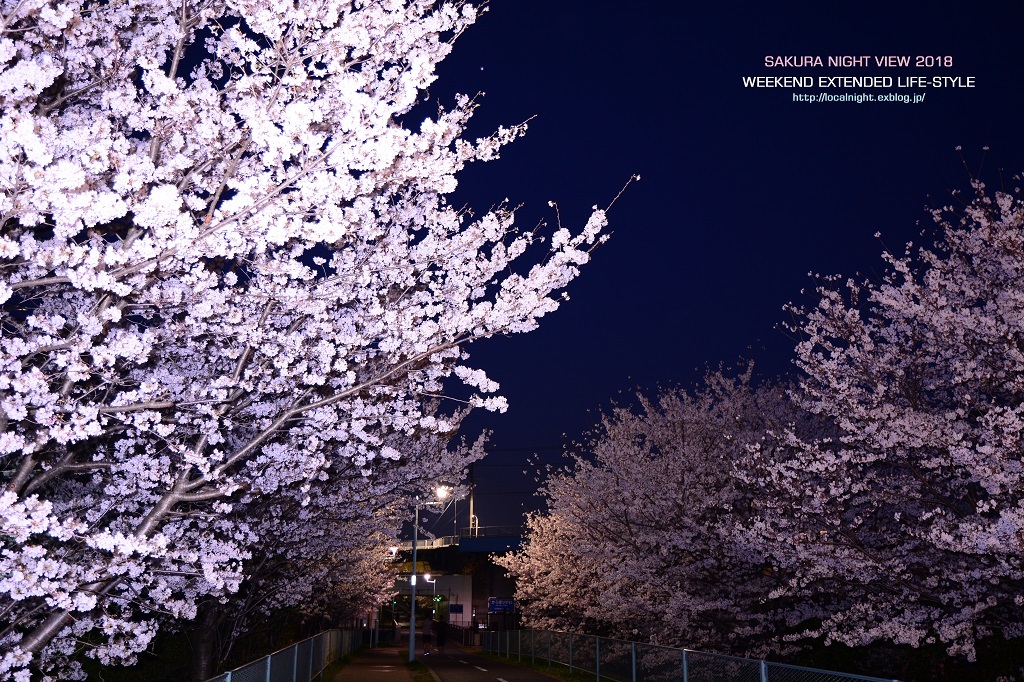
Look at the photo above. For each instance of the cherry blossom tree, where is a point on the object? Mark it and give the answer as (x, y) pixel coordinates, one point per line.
(227, 264)
(311, 566)
(639, 539)
(907, 526)
(326, 559)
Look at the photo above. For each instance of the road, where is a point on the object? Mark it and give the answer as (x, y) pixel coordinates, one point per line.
(458, 665)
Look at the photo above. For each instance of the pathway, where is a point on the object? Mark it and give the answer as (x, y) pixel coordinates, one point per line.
(459, 665)
(379, 664)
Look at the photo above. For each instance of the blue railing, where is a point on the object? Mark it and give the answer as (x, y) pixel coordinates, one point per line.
(616, 660)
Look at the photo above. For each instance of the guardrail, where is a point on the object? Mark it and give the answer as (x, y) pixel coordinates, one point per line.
(301, 662)
(466, 636)
(616, 660)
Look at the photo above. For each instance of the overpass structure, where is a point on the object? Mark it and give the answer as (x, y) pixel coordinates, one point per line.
(464, 572)
(480, 539)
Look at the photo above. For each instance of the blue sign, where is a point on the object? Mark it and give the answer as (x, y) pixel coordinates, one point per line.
(495, 605)
(455, 608)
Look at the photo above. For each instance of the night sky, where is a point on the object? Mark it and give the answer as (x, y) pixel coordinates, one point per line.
(744, 191)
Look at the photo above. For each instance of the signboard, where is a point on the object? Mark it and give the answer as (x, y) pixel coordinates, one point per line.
(495, 605)
(455, 608)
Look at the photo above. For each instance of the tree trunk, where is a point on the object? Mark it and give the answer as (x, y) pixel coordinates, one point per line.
(204, 641)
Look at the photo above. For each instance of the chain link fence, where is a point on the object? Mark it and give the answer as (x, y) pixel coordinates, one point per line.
(301, 662)
(616, 660)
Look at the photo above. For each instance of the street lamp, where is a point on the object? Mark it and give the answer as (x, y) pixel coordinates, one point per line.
(426, 578)
(442, 493)
(391, 556)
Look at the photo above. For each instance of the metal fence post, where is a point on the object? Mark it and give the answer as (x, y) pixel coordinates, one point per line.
(633, 647)
(570, 653)
(295, 664)
(597, 658)
(310, 676)
(266, 670)
(686, 672)
(533, 638)
(549, 648)
(227, 678)
(764, 671)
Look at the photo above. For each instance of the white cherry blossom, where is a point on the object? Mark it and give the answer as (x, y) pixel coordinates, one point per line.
(230, 282)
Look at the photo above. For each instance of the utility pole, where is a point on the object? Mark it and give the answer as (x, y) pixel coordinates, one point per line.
(474, 523)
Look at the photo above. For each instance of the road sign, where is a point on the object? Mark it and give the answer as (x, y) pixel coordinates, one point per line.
(495, 605)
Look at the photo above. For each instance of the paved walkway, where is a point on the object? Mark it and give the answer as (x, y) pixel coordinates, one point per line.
(387, 664)
(379, 664)
(461, 665)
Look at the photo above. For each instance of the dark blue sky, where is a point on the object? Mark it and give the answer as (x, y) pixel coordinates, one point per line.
(743, 191)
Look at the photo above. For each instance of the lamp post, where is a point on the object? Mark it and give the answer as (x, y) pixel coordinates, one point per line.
(391, 555)
(442, 493)
(426, 578)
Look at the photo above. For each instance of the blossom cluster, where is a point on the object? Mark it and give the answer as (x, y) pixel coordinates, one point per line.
(230, 279)
(639, 538)
(878, 500)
